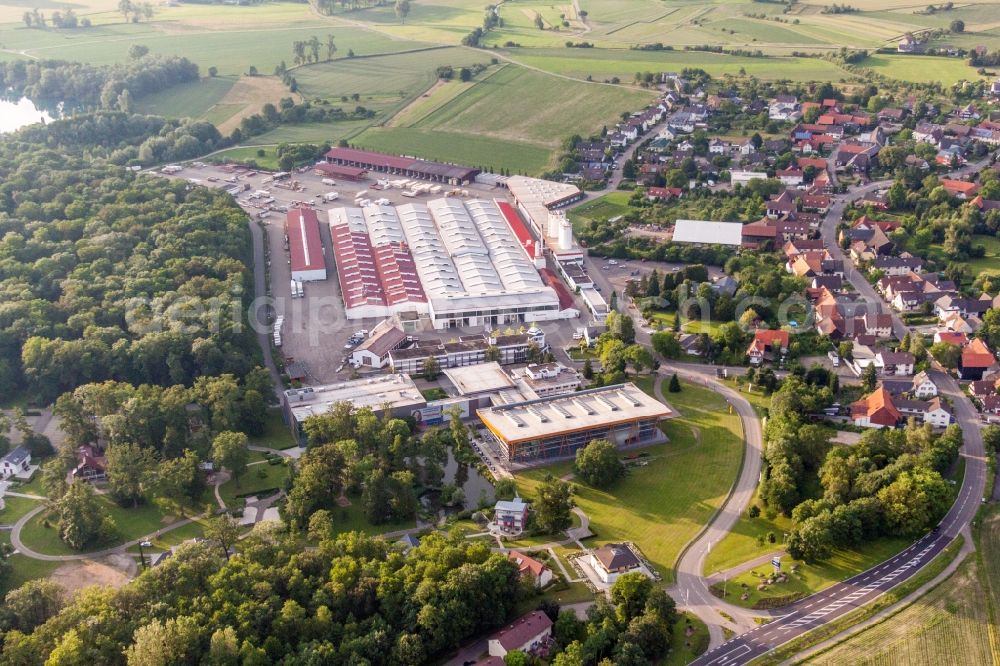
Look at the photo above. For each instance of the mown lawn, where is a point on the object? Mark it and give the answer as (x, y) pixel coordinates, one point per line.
(603, 208)
(131, 523)
(809, 578)
(990, 263)
(662, 505)
(257, 478)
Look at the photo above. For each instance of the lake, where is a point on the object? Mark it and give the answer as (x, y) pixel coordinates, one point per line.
(15, 114)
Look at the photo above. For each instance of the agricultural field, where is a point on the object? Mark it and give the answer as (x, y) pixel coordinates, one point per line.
(958, 617)
(514, 104)
(603, 64)
(662, 505)
(384, 83)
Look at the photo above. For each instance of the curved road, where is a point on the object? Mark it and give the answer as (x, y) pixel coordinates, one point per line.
(691, 588)
(820, 608)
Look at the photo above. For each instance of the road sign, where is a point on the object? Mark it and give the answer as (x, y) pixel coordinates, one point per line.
(776, 562)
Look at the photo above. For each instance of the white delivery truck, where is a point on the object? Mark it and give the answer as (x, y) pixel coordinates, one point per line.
(329, 181)
(331, 196)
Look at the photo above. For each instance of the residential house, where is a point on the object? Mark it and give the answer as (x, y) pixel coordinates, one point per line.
(784, 107)
(951, 338)
(16, 463)
(511, 515)
(612, 560)
(531, 634)
(923, 386)
(901, 265)
(790, 177)
(981, 388)
(934, 411)
(767, 345)
(876, 410)
(529, 567)
(894, 364)
(91, 464)
(960, 189)
(975, 360)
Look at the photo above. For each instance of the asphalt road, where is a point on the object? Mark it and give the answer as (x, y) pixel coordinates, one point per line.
(818, 609)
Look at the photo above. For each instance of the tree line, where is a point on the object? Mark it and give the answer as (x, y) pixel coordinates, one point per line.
(91, 87)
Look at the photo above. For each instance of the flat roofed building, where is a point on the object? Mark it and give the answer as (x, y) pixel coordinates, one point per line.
(397, 393)
(305, 247)
(479, 379)
(702, 232)
(556, 426)
(467, 350)
(545, 379)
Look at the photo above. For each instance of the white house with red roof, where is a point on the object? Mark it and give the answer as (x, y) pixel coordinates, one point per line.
(767, 344)
(528, 566)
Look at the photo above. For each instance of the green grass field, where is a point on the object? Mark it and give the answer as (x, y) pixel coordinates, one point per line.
(603, 208)
(14, 508)
(990, 263)
(252, 482)
(809, 578)
(447, 147)
(276, 434)
(922, 69)
(664, 504)
(602, 64)
(131, 523)
(690, 639)
(193, 100)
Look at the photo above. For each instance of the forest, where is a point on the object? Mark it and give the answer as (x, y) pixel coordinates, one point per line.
(91, 87)
(110, 274)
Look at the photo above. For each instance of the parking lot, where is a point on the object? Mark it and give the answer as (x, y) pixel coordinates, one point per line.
(315, 330)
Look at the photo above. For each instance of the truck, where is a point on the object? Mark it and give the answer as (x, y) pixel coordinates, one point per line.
(329, 181)
(331, 196)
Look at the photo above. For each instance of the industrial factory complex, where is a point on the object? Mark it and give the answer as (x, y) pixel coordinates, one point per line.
(492, 262)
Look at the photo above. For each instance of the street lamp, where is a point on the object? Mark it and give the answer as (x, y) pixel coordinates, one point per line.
(142, 555)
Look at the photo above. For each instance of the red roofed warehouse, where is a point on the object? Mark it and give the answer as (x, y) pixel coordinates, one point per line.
(402, 166)
(305, 245)
(529, 633)
(338, 171)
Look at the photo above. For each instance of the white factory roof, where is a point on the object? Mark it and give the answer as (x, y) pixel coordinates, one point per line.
(708, 233)
(512, 263)
(529, 191)
(383, 225)
(352, 217)
(396, 390)
(583, 410)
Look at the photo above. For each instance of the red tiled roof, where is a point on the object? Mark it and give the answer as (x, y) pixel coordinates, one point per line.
(304, 243)
(951, 338)
(878, 407)
(977, 355)
(959, 186)
(525, 563)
